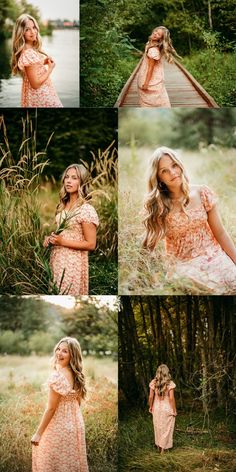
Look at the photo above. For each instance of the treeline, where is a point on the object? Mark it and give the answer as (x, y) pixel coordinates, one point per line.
(32, 325)
(181, 128)
(194, 336)
(10, 10)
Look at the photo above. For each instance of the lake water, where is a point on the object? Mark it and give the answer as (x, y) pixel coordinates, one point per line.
(63, 47)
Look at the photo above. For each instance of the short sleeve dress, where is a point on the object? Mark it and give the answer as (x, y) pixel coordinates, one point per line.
(155, 95)
(45, 96)
(70, 266)
(62, 446)
(198, 255)
(163, 418)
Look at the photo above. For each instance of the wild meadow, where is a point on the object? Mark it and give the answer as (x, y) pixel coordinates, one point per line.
(138, 269)
(28, 201)
(195, 447)
(23, 398)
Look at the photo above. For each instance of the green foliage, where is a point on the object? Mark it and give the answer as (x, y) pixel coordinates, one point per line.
(31, 325)
(122, 28)
(215, 71)
(75, 134)
(13, 342)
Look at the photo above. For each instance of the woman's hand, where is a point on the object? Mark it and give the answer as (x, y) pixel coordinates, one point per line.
(51, 64)
(48, 59)
(35, 439)
(144, 87)
(150, 409)
(55, 239)
(46, 241)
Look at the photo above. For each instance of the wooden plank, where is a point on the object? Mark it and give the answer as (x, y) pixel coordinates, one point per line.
(182, 88)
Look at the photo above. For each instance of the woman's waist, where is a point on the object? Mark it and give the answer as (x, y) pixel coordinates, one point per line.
(185, 254)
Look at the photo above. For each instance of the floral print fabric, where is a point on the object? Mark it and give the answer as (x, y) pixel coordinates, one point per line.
(198, 255)
(45, 96)
(155, 95)
(163, 419)
(62, 447)
(70, 266)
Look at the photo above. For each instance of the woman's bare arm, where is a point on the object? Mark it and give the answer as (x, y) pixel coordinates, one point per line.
(172, 400)
(221, 234)
(89, 243)
(151, 399)
(151, 63)
(53, 400)
(33, 76)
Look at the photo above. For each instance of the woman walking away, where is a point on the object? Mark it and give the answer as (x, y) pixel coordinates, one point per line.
(163, 408)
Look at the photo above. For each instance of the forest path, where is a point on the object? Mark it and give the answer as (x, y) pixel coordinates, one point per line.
(182, 88)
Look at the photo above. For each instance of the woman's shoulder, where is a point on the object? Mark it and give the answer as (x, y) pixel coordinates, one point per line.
(153, 52)
(28, 57)
(171, 385)
(152, 384)
(87, 213)
(206, 195)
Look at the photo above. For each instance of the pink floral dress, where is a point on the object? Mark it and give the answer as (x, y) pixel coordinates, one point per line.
(62, 447)
(156, 94)
(45, 96)
(163, 418)
(198, 255)
(70, 266)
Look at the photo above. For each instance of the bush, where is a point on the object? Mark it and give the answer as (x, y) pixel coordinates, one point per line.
(208, 67)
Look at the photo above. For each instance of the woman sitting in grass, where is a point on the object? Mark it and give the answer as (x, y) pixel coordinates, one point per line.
(186, 216)
(163, 408)
(59, 442)
(75, 235)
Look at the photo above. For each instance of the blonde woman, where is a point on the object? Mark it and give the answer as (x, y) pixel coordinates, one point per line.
(163, 408)
(77, 221)
(186, 216)
(33, 65)
(151, 86)
(59, 441)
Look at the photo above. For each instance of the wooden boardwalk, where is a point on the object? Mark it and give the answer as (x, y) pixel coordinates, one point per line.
(182, 88)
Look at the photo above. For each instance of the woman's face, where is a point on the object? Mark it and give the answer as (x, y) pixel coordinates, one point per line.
(30, 32)
(71, 181)
(157, 35)
(63, 355)
(169, 172)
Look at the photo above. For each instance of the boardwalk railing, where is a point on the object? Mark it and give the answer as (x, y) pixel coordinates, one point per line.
(182, 88)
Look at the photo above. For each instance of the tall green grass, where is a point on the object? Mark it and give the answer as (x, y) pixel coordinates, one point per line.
(194, 449)
(26, 217)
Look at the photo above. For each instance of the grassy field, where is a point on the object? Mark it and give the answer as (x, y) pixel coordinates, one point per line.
(194, 449)
(214, 167)
(23, 399)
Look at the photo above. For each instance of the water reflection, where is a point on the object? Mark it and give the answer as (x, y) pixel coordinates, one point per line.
(63, 46)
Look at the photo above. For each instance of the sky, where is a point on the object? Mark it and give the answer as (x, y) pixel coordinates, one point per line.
(67, 301)
(57, 9)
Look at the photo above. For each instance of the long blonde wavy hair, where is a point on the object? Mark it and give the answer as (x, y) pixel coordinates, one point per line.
(83, 191)
(162, 379)
(165, 44)
(76, 363)
(18, 40)
(158, 202)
